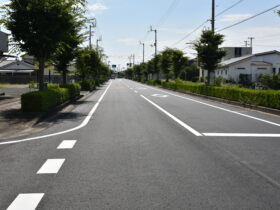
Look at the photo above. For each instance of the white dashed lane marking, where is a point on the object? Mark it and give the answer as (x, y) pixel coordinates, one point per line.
(26, 201)
(51, 166)
(67, 144)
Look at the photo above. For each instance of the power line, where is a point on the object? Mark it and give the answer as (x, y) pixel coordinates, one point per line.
(242, 21)
(225, 10)
(222, 12)
(189, 34)
(173, 5)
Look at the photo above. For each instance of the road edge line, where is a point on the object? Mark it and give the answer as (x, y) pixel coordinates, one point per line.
(83, 124)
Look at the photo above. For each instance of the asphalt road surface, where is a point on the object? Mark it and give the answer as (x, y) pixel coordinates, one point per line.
(132, 146)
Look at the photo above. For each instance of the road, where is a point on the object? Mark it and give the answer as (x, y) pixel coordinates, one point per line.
(132, 146)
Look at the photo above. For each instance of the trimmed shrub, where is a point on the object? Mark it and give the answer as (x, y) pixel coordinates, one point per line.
(38, 101)
(88, 85)
(53, 86)
(74, 89)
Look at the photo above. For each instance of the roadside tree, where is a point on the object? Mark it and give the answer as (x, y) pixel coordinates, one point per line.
(208, 51)
(39, 26)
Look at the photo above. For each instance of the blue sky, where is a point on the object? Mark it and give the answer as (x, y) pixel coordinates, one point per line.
(123, 23)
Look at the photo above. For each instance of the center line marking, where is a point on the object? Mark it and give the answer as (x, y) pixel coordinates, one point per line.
(51, 166)
(180, 122)
(26, 201)
(67, 144)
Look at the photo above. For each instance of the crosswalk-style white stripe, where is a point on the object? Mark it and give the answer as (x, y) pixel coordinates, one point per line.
(67, 144)
(26, 201)
(51, 166)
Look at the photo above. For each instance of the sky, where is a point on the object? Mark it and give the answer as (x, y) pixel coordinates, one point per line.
(124, 23)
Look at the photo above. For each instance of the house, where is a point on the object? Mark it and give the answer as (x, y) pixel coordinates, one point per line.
(15, 67)
(249, 67)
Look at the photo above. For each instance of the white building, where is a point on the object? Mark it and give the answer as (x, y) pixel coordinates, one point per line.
(250, 67)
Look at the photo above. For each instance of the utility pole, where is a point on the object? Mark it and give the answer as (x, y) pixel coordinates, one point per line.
(92, 24)
(143, 44)
(133, 56)
(97, 45)
(251, 41)
(213, 16)
(129, 58)
(155, 44)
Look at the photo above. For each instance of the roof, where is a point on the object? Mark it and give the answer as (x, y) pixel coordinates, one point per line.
(260, 63)
(236, 60)
(4, 65)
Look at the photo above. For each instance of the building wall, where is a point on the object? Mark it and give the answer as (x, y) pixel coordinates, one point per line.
(233, 71)
(231, 52)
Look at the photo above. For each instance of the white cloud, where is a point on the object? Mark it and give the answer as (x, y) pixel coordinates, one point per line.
(235, 17)
(97, 7)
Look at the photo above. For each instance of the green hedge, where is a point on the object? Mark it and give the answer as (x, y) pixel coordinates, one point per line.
(38, 101)
(74, 89)
(266, 98)
(88, 85)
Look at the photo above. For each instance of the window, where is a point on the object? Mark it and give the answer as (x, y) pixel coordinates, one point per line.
(240, 68)
(226, 72)
(262, 68)
(238, 52)
(274, 71)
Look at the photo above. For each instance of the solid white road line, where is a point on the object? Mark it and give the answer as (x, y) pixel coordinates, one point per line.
(135, 91)
(26, 201)
(240, 135)
(217, 107)
(83, 124)
(51, 166)
(67, 144)
(174, 118)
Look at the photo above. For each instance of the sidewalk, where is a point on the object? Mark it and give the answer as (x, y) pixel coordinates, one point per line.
(15, 123)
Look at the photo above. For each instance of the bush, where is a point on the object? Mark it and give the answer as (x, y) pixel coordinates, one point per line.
(74, 89)
(33, 85)
(270, 82)
(218, 81)
(38, 101)
(53, 86)
(88, 85)
(154, 82)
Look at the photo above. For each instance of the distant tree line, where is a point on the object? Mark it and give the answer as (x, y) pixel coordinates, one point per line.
(169, 64)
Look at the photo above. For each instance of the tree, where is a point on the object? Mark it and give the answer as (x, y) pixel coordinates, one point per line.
(90, 66)
(68, 49)
(167, 63)
(39, 26)
(208, 51)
